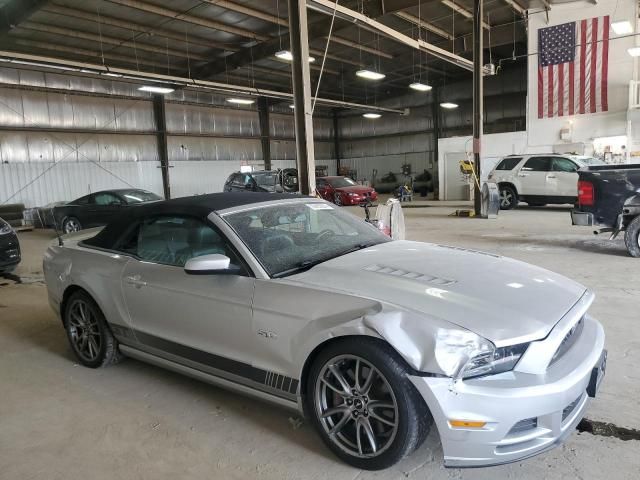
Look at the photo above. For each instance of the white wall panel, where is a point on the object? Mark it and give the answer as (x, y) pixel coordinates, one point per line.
(39, 183)
(195, 178)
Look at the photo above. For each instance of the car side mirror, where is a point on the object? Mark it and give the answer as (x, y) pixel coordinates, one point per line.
(207, 264)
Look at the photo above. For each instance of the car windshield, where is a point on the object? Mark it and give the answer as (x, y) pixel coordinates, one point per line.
(265, 179)
(139, 196)
(341, 182)
(293, 237)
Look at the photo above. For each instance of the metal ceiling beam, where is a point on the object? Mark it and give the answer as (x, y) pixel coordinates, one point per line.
(93, 54)
(18, 58)
(356, 45)
(15, 12)
(426, 25)
(328, 6)
(118, 42)
(185, 17)
(134, 27)
(463, 11)
(516, 7)
(251, 12)
(320, 28)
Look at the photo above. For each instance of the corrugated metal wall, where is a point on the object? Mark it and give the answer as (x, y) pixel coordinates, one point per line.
(57, 143)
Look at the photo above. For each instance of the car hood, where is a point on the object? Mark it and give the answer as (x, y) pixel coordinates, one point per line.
(503, 300)
(355, 189)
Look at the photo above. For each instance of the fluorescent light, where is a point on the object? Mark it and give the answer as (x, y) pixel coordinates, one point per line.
(622, 27)
(292, 106)
(288, 56)
(421, 87)
(241, 101)
(449, 105)
(634, 51)
(371, 115)
(148, 88)
(370, 75)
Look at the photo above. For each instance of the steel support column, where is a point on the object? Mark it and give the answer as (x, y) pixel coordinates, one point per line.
(299, 35)
(336, 140)
(435, 120)
(265, 133)
(163, 150)
(477, 98)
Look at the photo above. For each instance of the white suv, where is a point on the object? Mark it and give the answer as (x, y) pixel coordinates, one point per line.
(538, 179)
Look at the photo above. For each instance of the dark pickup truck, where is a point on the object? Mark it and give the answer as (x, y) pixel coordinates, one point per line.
(609, 197)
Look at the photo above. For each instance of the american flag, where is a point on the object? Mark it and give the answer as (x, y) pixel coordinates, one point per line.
(573, 63)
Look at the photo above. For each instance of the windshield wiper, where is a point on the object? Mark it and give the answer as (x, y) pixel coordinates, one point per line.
(308, 264)
(301, 267)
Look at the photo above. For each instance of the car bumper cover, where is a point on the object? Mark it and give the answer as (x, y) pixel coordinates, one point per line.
(525, 414)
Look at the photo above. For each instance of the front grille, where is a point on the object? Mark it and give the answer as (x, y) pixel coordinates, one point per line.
(570, 408)
(524, 425)
(568, 341)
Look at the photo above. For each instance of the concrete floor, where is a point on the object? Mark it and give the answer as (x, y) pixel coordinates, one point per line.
(59, 420)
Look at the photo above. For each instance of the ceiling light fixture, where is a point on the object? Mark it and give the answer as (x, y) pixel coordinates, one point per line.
(449, 105)
(288, 56)
(622, 27)
(292, 106)
(241, 101)
(421, 87)
(634, 51)
(148, 88)
(371, 115)
(370, 75)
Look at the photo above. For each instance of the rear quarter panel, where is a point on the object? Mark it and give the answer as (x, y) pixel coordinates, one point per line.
(615, 187)
(97, 272)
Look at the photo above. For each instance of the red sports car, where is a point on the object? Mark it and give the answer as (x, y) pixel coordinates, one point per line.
(344, 191)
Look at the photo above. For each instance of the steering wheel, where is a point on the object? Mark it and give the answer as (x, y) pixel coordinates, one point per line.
(325, 234)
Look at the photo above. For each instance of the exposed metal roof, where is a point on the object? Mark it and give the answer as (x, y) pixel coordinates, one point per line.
(234, 41)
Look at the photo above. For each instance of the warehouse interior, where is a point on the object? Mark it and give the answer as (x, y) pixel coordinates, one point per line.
(174, 98)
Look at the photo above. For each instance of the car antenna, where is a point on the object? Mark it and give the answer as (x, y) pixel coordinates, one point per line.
(55, 228)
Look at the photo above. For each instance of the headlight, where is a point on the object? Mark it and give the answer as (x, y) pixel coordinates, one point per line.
(352, 194)
(491, 363)
(5, 227)
(463, 354)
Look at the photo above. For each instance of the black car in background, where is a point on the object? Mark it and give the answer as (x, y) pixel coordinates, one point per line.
(273, 181)
(97, 209)
(9, 248)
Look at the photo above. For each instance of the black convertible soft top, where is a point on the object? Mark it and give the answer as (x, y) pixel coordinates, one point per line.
(199, 206)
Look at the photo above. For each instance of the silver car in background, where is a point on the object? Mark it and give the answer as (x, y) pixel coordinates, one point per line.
(296, 301)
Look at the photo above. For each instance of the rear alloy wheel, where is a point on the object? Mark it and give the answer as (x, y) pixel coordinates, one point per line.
(71, 224)
(508, 198)
(337, 199)
(632, 237)
(90, 338)
(364, 406)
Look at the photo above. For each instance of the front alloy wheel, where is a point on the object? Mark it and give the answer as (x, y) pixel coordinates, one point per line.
(71, 225)
(337, 199)
(356, 405)
(508, 198)
(363, 405)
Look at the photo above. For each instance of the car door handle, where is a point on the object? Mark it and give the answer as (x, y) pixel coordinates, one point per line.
(523, 174)
(135, 280)
(551, 176)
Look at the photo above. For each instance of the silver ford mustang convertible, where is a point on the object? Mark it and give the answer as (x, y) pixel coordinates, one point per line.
(296, 301)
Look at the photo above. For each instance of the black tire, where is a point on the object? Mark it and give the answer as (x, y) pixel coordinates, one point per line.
(71, 225)
(508, 197)
(104, 349)
(632, 237)
(337, 199)
(411, 419)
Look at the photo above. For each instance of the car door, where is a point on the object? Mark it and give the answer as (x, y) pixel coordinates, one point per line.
(189, 316)
(103, 207)
(563, 178)
(533, 177)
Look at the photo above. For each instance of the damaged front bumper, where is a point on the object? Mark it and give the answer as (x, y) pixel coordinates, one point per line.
(525, 413)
